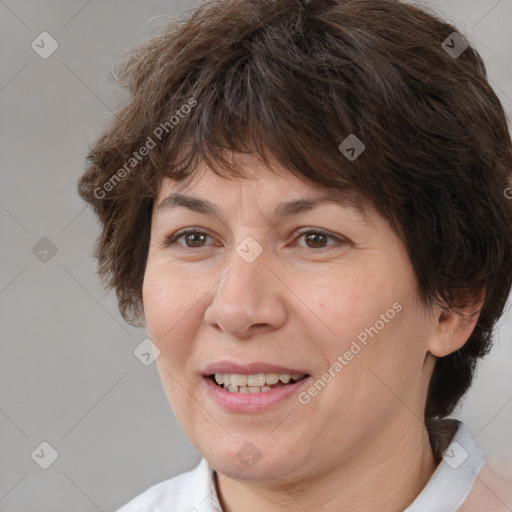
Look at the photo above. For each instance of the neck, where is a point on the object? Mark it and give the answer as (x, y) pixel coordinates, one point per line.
(386, 475)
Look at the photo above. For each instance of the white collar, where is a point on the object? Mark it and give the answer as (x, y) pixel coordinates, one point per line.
(450, 484)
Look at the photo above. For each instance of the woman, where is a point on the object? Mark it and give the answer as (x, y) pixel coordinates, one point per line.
(305, 204)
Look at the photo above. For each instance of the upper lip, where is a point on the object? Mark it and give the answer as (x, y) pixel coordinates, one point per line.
(249, 368)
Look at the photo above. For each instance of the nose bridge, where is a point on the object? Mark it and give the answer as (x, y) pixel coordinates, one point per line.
(244, 282)
(245, 295)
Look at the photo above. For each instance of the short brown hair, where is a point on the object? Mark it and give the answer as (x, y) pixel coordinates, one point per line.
(290, 80)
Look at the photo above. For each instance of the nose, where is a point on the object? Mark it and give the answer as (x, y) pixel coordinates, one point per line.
(248, 299)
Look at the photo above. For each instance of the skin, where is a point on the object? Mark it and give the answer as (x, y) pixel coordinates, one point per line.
(361, 440)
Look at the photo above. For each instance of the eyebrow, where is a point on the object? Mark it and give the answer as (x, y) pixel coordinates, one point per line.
(293, 207)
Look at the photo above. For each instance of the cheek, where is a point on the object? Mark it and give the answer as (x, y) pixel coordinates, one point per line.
(341, 304)
(167, 307)
(159, 303)
(168, 315)
(370, 318)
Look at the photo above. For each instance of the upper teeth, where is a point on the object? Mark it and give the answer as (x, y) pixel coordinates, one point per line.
(257, 379)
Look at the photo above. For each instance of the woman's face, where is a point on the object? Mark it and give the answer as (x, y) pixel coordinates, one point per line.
(336, 307)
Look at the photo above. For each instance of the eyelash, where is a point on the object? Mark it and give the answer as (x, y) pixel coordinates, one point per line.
(172, 240)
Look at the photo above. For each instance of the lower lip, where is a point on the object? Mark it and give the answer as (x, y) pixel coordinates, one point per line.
(251, 402)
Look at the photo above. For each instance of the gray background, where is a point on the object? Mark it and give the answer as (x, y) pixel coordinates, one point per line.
(68, 375)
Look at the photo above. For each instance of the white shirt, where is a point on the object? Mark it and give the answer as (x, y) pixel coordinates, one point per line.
(458, 484)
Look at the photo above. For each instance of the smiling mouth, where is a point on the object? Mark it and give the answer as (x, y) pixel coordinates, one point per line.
(254, 383)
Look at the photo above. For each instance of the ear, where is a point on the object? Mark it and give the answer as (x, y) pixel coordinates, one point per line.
(456, 323)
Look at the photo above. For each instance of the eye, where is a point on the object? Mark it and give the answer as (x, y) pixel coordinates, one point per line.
(189, 235)
(315, 238)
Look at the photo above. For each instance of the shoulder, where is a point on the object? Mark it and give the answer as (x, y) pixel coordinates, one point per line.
(185, 491)
(491, 492)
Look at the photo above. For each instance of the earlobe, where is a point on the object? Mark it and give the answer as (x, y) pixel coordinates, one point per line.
(455, 324)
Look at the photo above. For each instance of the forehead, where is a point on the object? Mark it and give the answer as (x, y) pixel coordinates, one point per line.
(273, 189)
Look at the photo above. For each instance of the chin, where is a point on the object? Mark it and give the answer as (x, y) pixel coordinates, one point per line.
(251, 463)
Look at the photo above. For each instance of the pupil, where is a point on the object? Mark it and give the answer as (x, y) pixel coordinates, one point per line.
(193, 235)
(315, 235)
